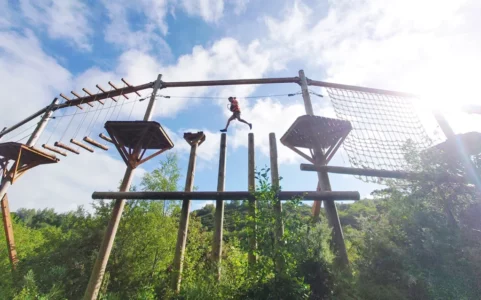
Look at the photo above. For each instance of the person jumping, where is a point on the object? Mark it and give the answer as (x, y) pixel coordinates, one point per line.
(236, 113)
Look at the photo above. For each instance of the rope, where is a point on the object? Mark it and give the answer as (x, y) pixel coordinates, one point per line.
(57, 122)
(73, 117)
(83, 120)
(95, 117)
(133, 106)
(23, 131)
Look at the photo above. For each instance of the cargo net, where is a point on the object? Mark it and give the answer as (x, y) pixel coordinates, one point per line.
(382, 124)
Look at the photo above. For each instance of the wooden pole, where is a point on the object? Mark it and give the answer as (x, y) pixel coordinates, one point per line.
(7, 182)
(98, 271)
(325, 185)
(219, 209)
(184, 222)
(7, 225)
(279, 230)
(251, 181)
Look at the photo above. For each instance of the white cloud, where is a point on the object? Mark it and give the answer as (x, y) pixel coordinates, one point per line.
(240, 6)
(150, 23)
(63, 19)
(209, 10)
(32, 77)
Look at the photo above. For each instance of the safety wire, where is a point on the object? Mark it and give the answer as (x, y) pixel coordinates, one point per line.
(120, 109)
(70, 122)
(133, 106)
(22, 132)
(95, 117)
(57, 122)
(83, 120)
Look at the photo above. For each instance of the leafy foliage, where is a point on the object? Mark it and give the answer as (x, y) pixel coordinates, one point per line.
(414, 240)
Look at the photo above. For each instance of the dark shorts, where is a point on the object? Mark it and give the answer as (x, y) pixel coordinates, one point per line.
(236, 114)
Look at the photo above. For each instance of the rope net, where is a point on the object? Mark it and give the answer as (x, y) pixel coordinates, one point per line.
(382, 124)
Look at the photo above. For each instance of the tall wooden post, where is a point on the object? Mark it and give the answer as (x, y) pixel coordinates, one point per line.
(184, 220)
(6, 183)
(98, 270)
(252, 203)
(7, 225)
(325, 185)
(279, 230)
(219, 209)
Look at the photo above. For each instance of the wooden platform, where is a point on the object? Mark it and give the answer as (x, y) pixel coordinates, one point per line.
(311, 131)
(134, 138)
(24, 157)
(191, 138)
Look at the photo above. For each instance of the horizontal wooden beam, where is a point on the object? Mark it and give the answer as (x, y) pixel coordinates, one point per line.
(105, 95)
(381, 173)
(334, 196)
(358, 171)
(357, 88)
(230, 82)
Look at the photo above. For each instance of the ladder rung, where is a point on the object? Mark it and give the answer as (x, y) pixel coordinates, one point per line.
(90, 94)
(77, 95)
(116, 88)
(96, 144)
(63, 153)
(105, 138)
(100, 88)
(63, 146)
(68, 100)
(81, 145)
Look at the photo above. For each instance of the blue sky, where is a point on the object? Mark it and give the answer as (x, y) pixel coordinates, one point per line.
(54, 46)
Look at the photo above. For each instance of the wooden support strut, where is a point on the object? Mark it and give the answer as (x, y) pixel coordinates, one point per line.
(95, 143)
(63, 153)
(63, 146)
(184, 220)
(279, 232)
(81, 145)
(105, 138)
(236, 195)
(219, 210)
(251, 182)
(7, 224)
(324, 184)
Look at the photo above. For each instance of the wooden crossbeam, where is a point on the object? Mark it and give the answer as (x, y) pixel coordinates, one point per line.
(306, 195)
(95, 143)
(116, 88)
(105, 138)
(82, 145)
(63, 146)
(63, 153)
(77, 95)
